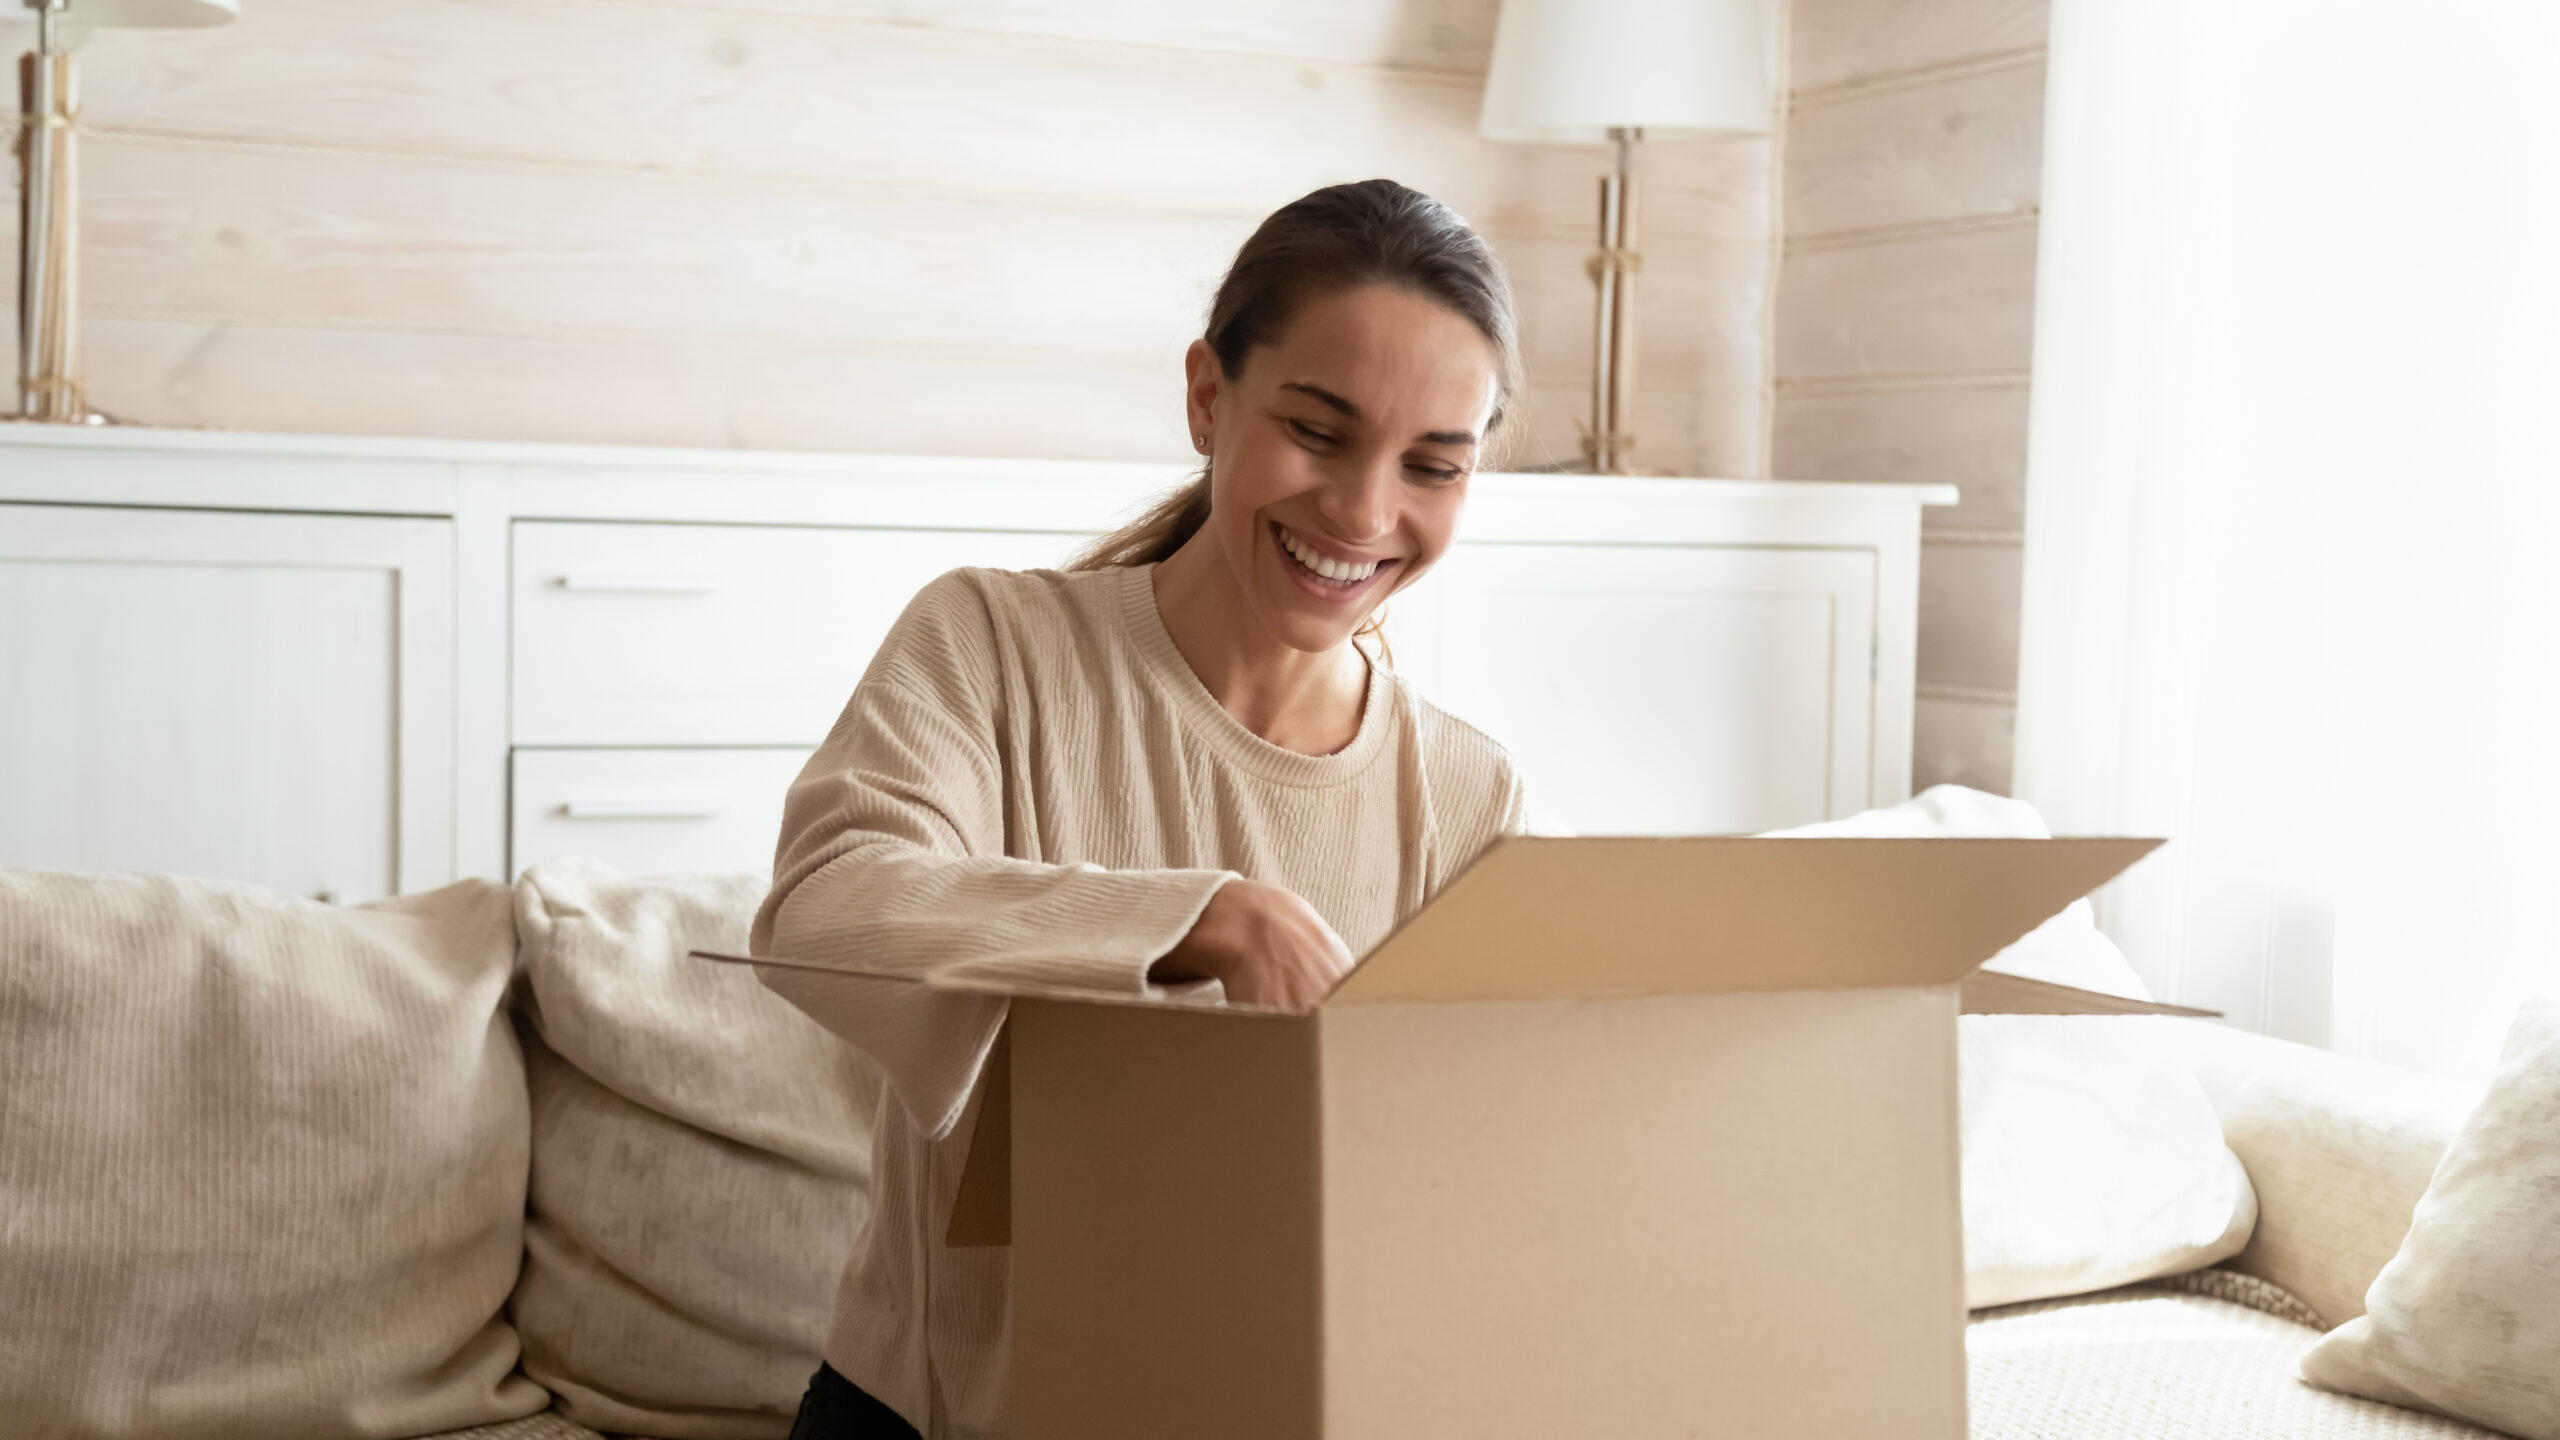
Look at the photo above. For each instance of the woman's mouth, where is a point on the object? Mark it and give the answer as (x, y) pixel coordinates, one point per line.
(1322, 574)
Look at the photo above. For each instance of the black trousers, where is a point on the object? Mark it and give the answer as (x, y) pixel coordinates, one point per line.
(837, 1409)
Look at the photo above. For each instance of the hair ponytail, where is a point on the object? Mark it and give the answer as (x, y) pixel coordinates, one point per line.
(1167, 526)
(1374, 232)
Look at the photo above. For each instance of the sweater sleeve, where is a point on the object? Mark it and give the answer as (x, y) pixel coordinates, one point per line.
(892, 862)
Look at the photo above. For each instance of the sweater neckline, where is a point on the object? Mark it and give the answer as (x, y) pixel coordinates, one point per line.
(1223, 731)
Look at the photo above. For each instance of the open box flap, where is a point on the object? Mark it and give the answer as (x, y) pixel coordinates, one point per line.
(1541, 919)
(1996, 992)
(1538, 919)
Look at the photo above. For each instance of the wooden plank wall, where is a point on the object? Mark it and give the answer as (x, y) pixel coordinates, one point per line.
(1905, 309)
(931, 226)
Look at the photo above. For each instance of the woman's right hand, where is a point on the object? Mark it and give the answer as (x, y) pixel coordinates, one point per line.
(1264, 944)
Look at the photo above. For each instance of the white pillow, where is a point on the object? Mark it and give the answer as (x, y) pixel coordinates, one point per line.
(262, 1161)
(701, 1160)
(2465, 1320)
(2090, 1159)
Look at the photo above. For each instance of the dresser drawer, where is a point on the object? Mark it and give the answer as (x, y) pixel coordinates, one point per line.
(717, 634)
(1715, 690)
(651, 812)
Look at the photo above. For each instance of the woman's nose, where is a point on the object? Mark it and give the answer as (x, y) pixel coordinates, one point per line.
(1360, 504)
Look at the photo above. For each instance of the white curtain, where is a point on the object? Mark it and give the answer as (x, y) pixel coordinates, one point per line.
(2293, 512)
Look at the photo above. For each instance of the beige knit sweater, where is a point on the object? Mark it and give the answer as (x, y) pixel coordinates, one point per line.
(1030, 784)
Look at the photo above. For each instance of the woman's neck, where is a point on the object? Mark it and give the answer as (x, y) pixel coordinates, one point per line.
(1306, 701)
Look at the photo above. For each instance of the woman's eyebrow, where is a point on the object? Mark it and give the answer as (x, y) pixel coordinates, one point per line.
(1350, 411)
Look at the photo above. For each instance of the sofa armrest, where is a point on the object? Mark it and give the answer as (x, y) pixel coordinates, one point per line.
(2339, 1151)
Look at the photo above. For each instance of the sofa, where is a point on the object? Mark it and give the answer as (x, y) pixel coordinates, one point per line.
(505, 1163)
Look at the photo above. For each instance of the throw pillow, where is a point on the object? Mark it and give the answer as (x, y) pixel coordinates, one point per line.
(2465, 1320)
(701, 1160)
(264, 1161)
(2092, 1158)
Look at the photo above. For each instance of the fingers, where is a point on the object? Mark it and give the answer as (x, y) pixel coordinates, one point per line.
(1307, 954)
(1266, 943)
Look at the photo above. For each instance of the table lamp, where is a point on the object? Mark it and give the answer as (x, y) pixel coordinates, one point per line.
(1588, 71)
(49, 386)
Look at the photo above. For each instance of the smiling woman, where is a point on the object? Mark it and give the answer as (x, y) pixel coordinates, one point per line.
(1171, 768)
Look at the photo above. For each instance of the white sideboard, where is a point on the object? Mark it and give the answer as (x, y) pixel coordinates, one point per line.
(349, 667)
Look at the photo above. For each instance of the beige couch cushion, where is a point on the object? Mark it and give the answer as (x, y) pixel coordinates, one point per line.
(701, 1160)
(264, 1164)
(2465, 1320)
(2148, 1364)
(2338, 1150)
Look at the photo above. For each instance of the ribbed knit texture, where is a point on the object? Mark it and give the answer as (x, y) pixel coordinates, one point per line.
(2146, 1364)
(1030, 786)
(549, 1425)
(262, 1162)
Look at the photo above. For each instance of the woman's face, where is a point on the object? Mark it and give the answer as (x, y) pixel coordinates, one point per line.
(1340, 457)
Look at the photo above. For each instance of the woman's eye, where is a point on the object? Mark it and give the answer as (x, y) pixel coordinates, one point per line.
(1437, 474)
(1308, 433)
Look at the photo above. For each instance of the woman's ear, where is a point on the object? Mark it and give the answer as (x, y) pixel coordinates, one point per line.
(1203, 382)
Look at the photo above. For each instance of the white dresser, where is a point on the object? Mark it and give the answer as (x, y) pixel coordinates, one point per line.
(351, 667)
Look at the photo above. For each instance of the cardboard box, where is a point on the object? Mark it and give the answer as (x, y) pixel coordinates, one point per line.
(1624, 1138)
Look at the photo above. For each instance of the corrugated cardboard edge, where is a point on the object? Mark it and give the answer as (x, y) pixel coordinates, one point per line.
(1601, 917)
(1992, 992)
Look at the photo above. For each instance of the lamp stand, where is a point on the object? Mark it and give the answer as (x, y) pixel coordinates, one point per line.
(1609, 440)
(49, 385)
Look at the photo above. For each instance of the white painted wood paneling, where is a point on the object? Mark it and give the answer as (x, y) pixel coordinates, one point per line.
(1715, 424)
(1958, 741)
(1697, 321)
(1835, 42)
(272, 238)
(687, 95)
(1971, 436)
(697, 92)
(1930, 304)
(411, 244)
(264, 698)
(1965, 146)
(637, 390)
(1904, 314)
(957, 228)
(1969, 617)
(1428, 34)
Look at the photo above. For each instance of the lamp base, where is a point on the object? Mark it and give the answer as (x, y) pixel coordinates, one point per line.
(49, 387)
(1608, 454)
(1607, 440)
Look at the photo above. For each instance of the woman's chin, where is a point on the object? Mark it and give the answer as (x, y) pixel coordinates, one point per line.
(1302, 626)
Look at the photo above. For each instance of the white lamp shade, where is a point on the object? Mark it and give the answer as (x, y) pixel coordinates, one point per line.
(140, 14)
(1571, 70)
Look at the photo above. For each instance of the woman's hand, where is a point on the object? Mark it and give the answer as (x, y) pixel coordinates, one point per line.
(1267, 946)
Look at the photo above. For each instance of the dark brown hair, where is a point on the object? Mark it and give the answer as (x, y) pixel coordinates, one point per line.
(1374, 232)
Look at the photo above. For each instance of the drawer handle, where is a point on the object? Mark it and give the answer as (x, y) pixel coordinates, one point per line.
(601, 582)
(676, 808)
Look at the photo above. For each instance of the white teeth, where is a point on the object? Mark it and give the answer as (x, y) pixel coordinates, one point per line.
(1338, 571)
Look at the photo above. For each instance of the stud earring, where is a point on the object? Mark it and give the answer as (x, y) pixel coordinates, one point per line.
(1200, 443)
